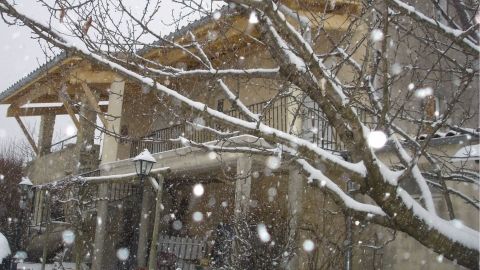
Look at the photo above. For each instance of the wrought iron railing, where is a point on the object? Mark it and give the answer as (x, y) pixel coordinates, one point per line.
(69, 199)
(278, 113)
(63, 144)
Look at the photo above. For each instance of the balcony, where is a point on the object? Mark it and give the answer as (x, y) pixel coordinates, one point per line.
(62, 160)
(278, 114)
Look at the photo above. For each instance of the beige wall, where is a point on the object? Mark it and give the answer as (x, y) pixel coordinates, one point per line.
(59, 164)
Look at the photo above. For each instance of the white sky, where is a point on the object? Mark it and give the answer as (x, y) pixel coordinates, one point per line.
(20, 54)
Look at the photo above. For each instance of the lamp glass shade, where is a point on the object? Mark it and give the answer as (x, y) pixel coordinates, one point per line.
(144, 163)
(25, 184)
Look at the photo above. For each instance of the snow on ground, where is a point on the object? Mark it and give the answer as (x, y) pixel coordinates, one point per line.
(38, 266)
(4, 247)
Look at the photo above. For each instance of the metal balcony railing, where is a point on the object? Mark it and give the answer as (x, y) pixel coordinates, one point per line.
(60, 145)
(278, 114)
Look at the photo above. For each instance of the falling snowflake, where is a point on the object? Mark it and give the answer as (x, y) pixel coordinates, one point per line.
(216, 15)
(68, 237)
(123, 253)
(263, 233)
(376, 35)
(308, 245)
(177, 225)
(253, 19)
(198, 190)
(197, 216)
(212, 155)
(457, 223)
(199, 123)
(423, 92)
(272, 192)
(70, 130)
(273, 162)
(396, 69)
(377, 139)
(212, 35)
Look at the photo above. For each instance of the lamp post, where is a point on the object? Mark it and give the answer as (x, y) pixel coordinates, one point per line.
(143, 165)
(25, 187)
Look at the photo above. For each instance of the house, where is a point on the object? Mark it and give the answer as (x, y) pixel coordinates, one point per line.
(194, 195)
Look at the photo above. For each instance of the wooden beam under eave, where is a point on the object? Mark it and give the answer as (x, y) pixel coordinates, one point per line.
(38, 111)
(27, 134)
(68, 108)
(93, 101)
(90, 76)
(35, 93)
(11, 99)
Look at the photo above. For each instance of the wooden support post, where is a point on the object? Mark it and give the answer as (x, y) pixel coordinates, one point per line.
(47, 229)
(152, 259)
(69, 110)
(27, 134)
(71, 113)
(143, 230)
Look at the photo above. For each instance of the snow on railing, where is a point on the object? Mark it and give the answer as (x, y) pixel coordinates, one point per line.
(277, 114)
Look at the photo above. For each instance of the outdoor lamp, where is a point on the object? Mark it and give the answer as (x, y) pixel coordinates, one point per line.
(144, 163)
(25, 184)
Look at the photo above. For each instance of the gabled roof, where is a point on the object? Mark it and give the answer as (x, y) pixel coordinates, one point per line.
(43, 69)
(225, 11)
(24, 81)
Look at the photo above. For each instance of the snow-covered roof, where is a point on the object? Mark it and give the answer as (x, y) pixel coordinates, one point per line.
(32, 75)
(24, 81)
(4, 247)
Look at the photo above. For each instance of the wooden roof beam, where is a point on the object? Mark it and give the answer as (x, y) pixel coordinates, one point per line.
(71, 113)
(27, 134)
(42, 89)
(91, 76)
(37, 111)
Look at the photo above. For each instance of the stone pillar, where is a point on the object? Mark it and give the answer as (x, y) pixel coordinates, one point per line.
(100, 228)
(47, 124)
(296, 188)
(109, 154)
(243, 186)
(294, 118)
(115, 105)
(144, 228)
(85, 138)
